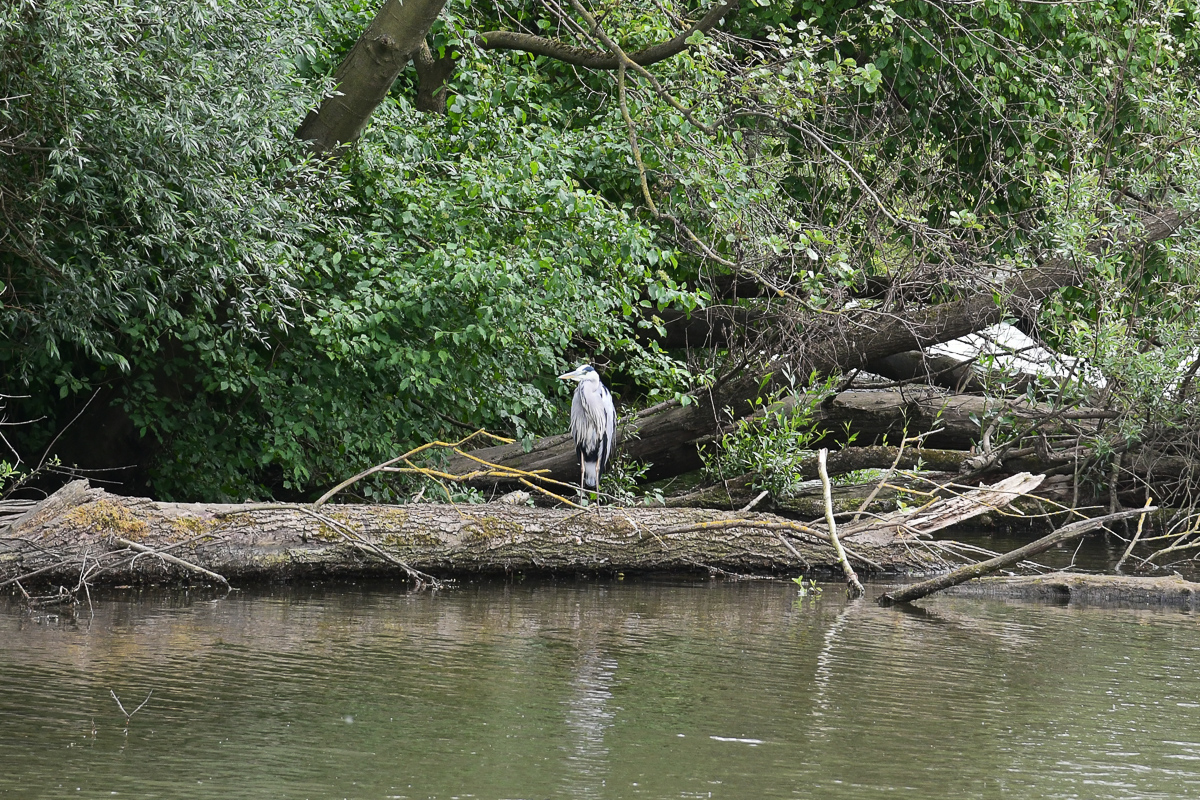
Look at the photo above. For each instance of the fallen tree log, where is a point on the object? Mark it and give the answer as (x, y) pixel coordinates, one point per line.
(1074, 588)
(91, 535)
(82, 536)
(963, 574)
(668, 435)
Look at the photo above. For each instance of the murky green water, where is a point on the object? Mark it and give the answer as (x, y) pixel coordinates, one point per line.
(610, 690)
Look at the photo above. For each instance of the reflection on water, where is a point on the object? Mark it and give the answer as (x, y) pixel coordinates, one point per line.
(596, 690)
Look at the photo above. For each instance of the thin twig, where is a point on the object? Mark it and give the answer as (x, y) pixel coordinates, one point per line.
(54, 441)
(179, 562)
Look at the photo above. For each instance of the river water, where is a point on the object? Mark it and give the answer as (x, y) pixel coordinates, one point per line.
(614, 689)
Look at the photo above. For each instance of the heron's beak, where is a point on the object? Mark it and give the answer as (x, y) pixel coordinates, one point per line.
(576, 374)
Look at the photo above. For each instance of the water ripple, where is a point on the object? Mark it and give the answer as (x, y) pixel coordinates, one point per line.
(595, 690)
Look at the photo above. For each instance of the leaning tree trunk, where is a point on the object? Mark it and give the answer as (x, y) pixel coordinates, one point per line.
(366, 76)
(668, 435)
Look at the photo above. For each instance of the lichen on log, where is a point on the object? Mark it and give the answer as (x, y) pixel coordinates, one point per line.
(279, 541)
(85, 535)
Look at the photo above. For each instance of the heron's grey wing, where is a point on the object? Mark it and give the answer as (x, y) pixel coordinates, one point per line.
(578, 419)
(595, 401)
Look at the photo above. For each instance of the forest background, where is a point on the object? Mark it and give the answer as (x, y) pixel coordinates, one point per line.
(720, 206)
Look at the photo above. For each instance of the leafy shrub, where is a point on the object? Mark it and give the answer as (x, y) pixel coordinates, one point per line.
(773, 443)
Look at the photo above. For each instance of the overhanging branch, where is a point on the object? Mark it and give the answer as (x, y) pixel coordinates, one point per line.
(599, 59)
(852, 341)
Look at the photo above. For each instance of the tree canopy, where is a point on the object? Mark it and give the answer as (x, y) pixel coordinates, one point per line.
(252, 318)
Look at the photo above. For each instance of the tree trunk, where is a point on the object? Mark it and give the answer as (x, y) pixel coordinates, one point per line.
(366, 76)
(110, 539)
(855, 340)
(433, 72)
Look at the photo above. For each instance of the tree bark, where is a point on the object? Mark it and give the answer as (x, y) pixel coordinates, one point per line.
(366, 76)
(733, 494)
(112, 539)
(918, 366)
(432, 76)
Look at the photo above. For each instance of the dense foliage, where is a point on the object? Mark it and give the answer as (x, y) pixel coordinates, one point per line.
(273, 324)
(276, 323)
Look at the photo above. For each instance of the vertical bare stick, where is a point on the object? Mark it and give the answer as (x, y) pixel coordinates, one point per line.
(1136, 536)
(853, 587)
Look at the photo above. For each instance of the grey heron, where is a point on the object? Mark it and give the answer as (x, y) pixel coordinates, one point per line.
(593, 424)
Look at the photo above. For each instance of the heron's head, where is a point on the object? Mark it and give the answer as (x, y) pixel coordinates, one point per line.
(579, 373)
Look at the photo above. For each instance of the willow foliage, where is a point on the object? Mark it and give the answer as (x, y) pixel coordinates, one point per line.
(272, 323)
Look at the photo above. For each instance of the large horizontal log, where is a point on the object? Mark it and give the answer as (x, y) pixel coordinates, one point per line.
(668, 435)
(90, 533)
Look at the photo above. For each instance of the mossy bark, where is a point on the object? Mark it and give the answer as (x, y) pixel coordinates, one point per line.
(257, 542)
